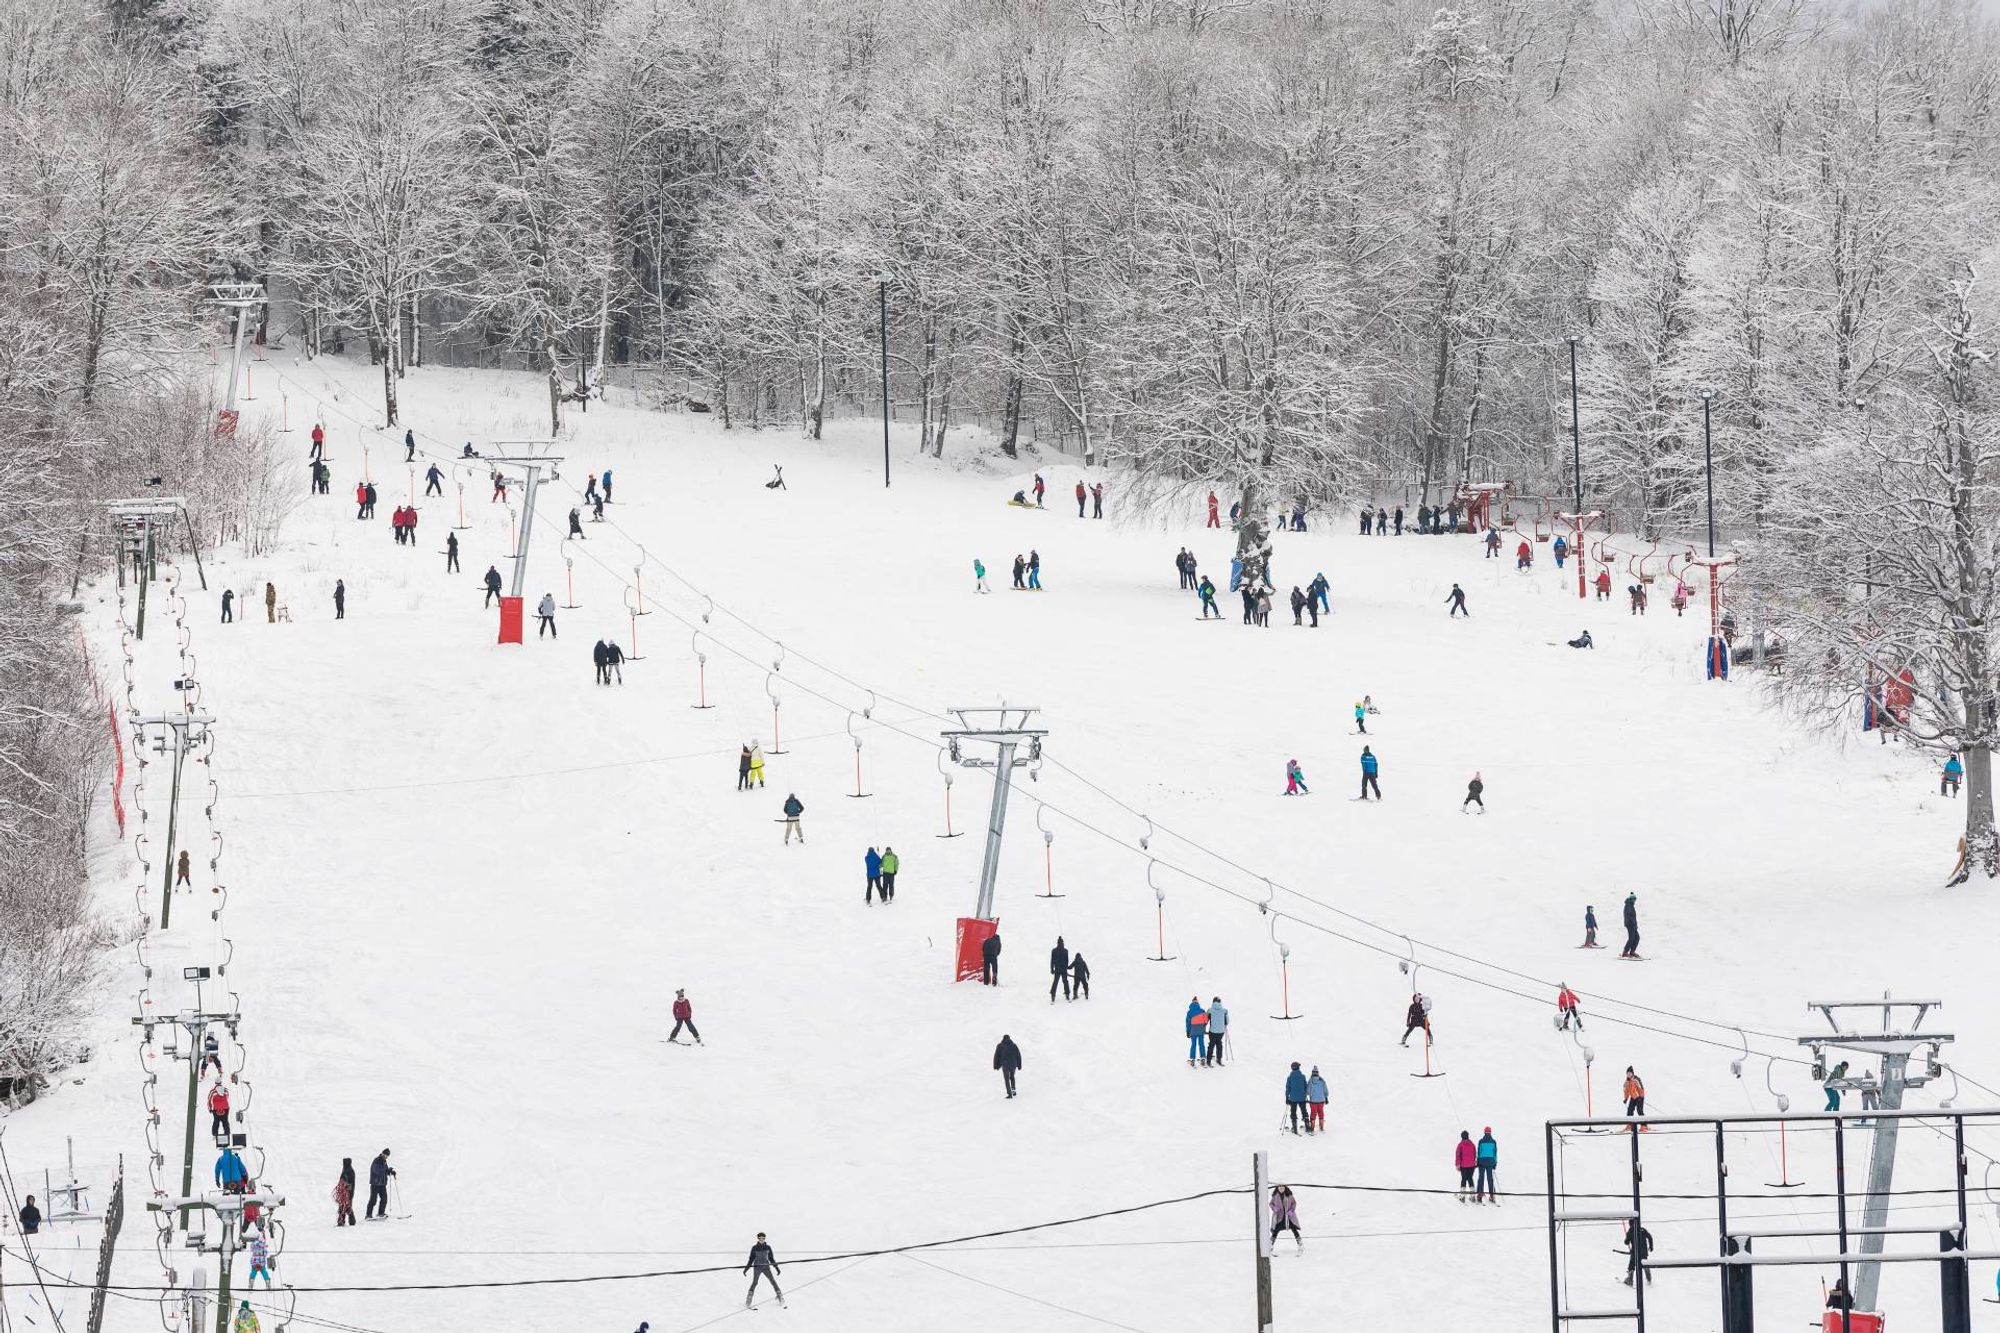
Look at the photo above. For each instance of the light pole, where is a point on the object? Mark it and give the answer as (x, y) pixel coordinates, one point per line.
(1575, 432)
(882, 291)
(1708, 462)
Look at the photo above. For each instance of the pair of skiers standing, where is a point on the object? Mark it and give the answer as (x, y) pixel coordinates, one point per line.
(1476, 1163)
(881, 867)
(1305, 1100)
(750, 767)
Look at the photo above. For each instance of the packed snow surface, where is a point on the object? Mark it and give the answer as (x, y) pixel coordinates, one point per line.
(464, 882)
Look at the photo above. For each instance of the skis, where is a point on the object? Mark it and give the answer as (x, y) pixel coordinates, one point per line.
(1632, 958)
(1590, 946)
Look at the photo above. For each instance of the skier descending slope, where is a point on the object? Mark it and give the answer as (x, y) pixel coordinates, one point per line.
(1285, 1214)
(683, 1017)
(761, 1258)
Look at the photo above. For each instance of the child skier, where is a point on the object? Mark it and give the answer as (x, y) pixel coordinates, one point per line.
(683, 1017)
(1295, 779)
(761, 1258)
(1567, 1013)
(1474, 791)
(1207, 591)
(1361, 719)
(1419, 1016)
(1590, 928)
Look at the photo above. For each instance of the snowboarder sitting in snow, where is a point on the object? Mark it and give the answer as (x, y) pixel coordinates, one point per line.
(777, 481)
(1583, 640)
(1954, 771)
(1021, 499)
(1419, 1016)
(1295, 779)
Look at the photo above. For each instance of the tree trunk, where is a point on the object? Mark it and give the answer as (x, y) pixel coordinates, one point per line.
(555, 388)
(388, 391)
(1253, 538)
(816, 398)
(1010, 393)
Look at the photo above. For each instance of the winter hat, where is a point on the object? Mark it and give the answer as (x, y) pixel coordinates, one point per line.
(1315, 1069)
(1489, 1129)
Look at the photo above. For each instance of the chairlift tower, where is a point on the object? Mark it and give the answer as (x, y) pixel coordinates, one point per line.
(137, 526)
(240, 298)
(1579, 526)
(531, 465)
(1895, 1042)
(1007, 729)
(196, 1023)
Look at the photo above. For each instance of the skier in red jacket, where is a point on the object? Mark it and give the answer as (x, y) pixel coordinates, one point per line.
(684, 1016)
(1566, 1010)
(361, 499)
(1214, 521)
(218, 1111)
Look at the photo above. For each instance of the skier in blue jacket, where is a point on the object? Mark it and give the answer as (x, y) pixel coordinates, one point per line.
(231, 1175)
(873, 861)
(1197, 1030)
(1296, 1089)
(1489, 1158)
(1368, 770)
(1562, 551)
(1954, 772)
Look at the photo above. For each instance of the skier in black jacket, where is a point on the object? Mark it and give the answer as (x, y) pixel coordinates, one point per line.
(793, 809)
(989, 960)
(1007, 1059)
(614, 660)
(492, 584)
(1079, 975)
(1059, 971)
(1631, 926)
(766, 1263)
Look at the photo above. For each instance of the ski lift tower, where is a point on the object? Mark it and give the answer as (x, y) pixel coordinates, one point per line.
(531, 463)
(137, 526)
(1008, 730)
(1579, 524)
(241, 298)
(1895, 1043)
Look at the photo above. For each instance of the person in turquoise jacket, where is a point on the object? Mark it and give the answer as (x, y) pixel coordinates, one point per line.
(1954, 773)
(1369, 766)
(1488, 1159)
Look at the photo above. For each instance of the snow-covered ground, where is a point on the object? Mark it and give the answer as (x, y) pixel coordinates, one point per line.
(465, 882)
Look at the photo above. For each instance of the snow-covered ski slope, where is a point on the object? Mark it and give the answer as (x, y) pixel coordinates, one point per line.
(465, 882)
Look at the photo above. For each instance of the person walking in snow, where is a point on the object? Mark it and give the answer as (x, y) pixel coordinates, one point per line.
(1466, 1158)
(1059, 965)
(1488, 1160)
(989, 960)
(379, 1172)
(1631, 949)
(1316, 1102)
(340, 599)
(1317, 591)
(1367, 520)
(1218, 1031)
(1097, 499)
(793, 809)
(1214, 518)
(1590, 927)
(1082, 494)
(1034, 569)
(607, 485)
(1298, 607)
(1079, 976)
(1264, 607)
(451, 553)
(492, 582)
(576, 523)
(1474, 794)
(1639, 1245)
(545, 614)
(979, 575)
(872, 865)
(1568, 1015)
(1456, 601)
(1197, 1031)
(1369, 768)
(1207, 593)
(1295, 1100)
(1954, 772)
(756, 764)
(1007, 1059)
(228, 605)
(1399, 520)
(1418, 1017)
(343, 1194)
(743, 770)
(684, 1017)
(1020, 570)
(891, 863)
(614, 658)
(1381, 521)
(761, 1260)
(1285, 1214)
(1040, 488)
(1295, 779)
(600, 657)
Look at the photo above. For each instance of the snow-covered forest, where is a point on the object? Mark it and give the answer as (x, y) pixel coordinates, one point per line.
(1312, 249)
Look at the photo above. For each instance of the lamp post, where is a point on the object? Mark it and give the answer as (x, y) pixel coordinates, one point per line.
(1575, 431)
(882, 291)
(1708, 461)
